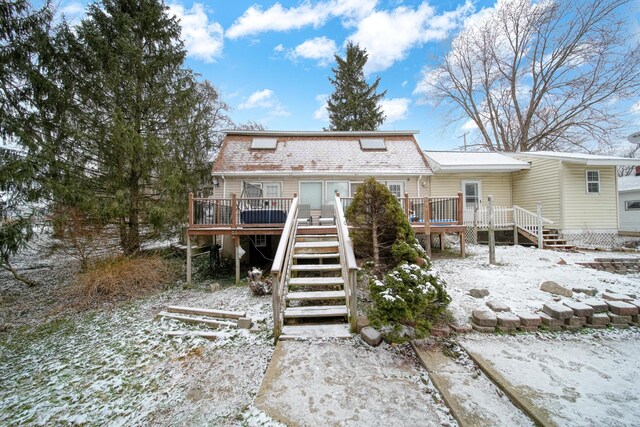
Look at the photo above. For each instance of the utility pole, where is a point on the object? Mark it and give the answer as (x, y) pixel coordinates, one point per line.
(464, 136)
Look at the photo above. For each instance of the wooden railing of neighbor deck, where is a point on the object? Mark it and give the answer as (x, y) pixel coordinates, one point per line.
(348, 262)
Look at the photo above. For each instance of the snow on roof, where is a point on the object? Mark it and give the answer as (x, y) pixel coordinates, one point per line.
(585, 159)
(629, 183)
(456, 161)
(321, 153)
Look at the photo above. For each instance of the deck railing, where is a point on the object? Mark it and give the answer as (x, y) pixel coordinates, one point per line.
(348, 262)
(479, 217)
(259, 212)
(281, 268)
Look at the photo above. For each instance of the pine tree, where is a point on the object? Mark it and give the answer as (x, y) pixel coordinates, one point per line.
(354, 105)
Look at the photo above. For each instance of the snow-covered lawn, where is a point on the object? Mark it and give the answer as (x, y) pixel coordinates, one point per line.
(516, 278)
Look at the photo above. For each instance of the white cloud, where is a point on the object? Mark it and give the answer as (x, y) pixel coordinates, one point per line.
(257, 20)
(322, 113)
(404, 83)
(635, 108)
(202, 39)
(73, 9)
(389, 35)
(469, 125)
(395, 109)
(267, 99)
(321, 49)
(279, 48)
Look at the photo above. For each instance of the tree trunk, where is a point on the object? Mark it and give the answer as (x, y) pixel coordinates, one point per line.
(374, 240)
(7, 266)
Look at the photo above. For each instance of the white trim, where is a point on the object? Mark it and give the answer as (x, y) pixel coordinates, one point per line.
(584, 159)
(376, 173)
(587, 182)
(402, 187)
(277, 133)
(626, 202)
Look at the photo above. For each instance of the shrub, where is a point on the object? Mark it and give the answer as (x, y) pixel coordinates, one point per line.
(120, 278)
(410, 295)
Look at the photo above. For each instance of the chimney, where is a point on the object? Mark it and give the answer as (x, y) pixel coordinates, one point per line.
(637, 170)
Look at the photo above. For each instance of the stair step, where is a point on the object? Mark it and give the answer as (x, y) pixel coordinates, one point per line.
(206, 312)
(314, 296)
(291, 332)
(316, 267)
(315, 281)
(316, 255)
(315, 311)
(316, 237)
(316, 247)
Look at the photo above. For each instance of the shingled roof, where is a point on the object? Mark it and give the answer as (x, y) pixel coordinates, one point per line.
(321, 153)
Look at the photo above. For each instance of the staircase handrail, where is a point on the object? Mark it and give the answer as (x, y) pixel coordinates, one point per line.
(281, 268)
(529, 214)
(349, 265)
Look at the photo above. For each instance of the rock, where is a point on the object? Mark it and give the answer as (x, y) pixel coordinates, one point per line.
(479, 293)
(244, 323)
(598, 319)
(611, 296)
(484, 318)
(441, 331)
(529, 319)
(551, 322)
(571, 327)
(461, 329)
(595, 326)
(484, 329)
(508, 320)
(632, 296)
(576, 321)
(557, 311)
(580, 309)
(562, 262)
(371, 336)
(597, 305)
(587, 291)
(619, 325)
(497, 306)
(622, 308)
(524, 328)
(556, 289)
(361, 323)
(618, 320)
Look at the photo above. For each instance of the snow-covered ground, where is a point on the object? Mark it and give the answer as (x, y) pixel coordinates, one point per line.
(518, 273)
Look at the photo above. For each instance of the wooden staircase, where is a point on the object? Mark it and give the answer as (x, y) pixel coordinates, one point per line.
(551, 239)
(315, 295)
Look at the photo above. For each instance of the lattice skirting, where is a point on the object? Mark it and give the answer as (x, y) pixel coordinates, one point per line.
(590, 239)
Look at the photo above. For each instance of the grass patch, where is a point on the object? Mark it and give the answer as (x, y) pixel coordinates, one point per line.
(120, 279)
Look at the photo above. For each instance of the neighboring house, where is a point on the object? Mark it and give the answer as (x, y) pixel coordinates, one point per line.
(629, 207)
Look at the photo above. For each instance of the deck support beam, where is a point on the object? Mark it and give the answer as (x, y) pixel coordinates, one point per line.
(236, 242)
(188, 259)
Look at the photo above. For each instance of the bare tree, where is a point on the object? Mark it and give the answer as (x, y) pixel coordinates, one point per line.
(540, 75)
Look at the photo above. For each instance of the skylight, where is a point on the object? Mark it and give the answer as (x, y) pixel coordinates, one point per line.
(264, 143)
(372, 144)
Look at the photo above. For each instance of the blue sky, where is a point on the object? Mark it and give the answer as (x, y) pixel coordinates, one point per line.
(271, 61)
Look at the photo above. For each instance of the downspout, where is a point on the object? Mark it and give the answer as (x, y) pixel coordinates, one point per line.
(419, 184)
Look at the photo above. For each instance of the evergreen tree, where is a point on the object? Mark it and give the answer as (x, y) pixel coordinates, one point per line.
(354, 104)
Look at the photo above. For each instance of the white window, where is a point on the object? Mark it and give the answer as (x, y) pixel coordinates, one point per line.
(632, 205)
(593, 182)
(334, 187)
(353, 186)
(396, 188)
(272, 189)
(472, 195)
(311, 194)
(260, 241)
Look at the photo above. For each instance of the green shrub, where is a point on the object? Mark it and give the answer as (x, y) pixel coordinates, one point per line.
(410, 295)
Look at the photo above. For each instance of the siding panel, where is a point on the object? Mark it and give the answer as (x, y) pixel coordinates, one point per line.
(541, 183)
(496, 184)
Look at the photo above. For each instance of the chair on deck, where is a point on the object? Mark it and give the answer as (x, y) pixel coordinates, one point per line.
(304, 215)
(327, 215)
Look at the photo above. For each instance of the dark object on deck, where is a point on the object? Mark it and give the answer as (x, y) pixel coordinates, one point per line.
(263, 216)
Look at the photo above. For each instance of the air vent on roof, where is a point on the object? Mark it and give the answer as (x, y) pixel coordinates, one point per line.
(264, 143)
(372, 144)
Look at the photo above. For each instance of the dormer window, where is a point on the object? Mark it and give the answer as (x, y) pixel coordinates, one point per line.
(264, 143)
(372, 144)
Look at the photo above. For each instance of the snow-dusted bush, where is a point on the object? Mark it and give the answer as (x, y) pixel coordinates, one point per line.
(409, 295)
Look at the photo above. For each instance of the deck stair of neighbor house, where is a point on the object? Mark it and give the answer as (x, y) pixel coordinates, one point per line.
(315, 296)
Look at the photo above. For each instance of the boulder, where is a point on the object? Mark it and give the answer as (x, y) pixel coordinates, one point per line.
(478, 293)
(556, 289)
(371, 336)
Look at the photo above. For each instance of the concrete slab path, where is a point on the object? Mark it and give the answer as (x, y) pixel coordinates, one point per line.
(346, 382)
(474, 400)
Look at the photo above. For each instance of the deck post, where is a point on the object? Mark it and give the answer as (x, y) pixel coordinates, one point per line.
(460, 212)
(539, 213)
(190, 209)
(406, 206)
(427, 224)
(491, 233)
(236, 242)
(188, 257)
(234, 211)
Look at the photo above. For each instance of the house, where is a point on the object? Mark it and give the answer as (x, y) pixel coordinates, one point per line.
(576, 193)
(629, 203)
